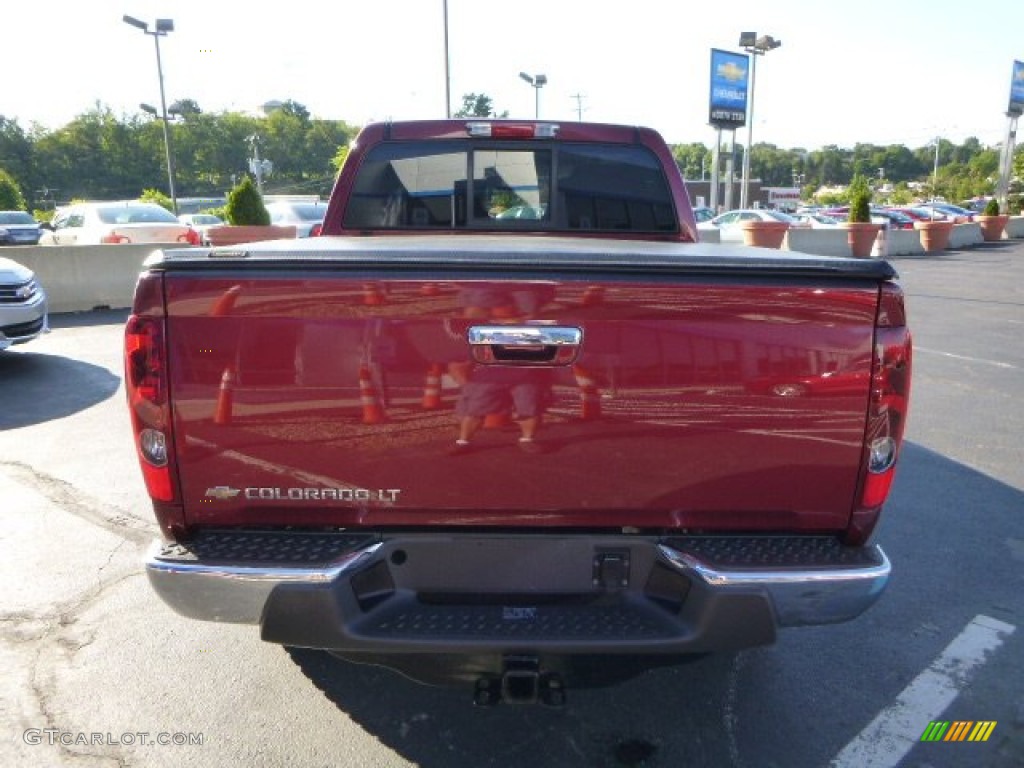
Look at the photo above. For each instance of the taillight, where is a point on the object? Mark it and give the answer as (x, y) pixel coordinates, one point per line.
(113, 238)
(191, 237)
(887, 411)
(145, 378)
(317, 229)
(512, 130)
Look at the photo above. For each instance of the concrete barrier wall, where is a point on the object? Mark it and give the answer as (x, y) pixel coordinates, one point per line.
(1014, 227)
(821, 242)
(79, 278)
(965, 235)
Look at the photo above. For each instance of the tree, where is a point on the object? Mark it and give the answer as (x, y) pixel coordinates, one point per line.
(694, 160)
(245, 206)
(478, 105)
(338, 161)
(158, 197)
(15, 151)
(11, 198)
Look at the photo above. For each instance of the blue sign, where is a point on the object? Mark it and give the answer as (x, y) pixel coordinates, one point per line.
(1017, 89)
(730, 74)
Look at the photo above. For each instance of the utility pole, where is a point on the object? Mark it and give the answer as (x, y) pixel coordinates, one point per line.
(579, 105)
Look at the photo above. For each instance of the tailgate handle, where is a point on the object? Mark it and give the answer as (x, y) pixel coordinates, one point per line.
(524, 344)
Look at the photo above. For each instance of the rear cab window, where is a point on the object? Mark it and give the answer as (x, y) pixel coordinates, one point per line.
(456, 185)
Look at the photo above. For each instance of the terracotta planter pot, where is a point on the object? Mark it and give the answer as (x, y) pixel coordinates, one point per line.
(233, 234)
(861, 236)
(764, 234)
(992, 226)
(934, 234)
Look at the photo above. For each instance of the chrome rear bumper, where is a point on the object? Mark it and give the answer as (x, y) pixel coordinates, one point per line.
(549, 592)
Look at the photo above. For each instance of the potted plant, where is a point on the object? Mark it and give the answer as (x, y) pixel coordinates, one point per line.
(861, 232)
(992, 222)
(764, 233)
(248, 219)
(934, 233)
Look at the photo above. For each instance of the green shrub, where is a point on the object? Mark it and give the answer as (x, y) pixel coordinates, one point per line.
(245, 206)
(158, 197)
(860, 200)
(992, 207)
(11, 198)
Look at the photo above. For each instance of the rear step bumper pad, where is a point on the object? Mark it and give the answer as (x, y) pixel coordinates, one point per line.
(491, 592)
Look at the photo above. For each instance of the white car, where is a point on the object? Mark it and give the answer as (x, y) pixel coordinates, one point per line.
(306, 217)
(729, 224)
(200, 222)
(816, 220)
(115, 223)
(23, 314)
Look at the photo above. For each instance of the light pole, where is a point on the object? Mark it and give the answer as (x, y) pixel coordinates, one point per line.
(447, 68)
(259, 167)
(163, 26)
(756, 46)
(537, 82)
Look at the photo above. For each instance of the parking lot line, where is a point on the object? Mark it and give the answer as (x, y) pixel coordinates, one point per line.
(897, 728)
(966, 358)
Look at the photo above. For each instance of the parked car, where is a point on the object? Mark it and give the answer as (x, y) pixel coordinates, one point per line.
(816, 220)
(955, 212)
(524, 212)
(729, 224)
(892, 219)
(921, 214)
(199, 223)
(702, 213)
(115, 223)
(306, 217)
(23, 314)
(18, 228)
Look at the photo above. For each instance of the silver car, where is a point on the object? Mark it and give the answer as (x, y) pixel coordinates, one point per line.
(18, 228)
(23, 314)
(307, 217)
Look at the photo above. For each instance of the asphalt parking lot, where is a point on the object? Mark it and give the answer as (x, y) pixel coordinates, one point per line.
(98, 672)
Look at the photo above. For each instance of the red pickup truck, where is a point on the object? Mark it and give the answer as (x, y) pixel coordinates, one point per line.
(506, 422)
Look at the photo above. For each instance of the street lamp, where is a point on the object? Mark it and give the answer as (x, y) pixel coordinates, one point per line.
(756, 46)
(162, 27)
(447, 68)
(259, 167)
(537, 82)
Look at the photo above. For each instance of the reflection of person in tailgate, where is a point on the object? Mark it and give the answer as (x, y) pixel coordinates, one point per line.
(495, 391)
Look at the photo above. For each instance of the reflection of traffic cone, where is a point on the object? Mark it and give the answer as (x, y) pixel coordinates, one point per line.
(372, 296)
(226, 302)
(225, 397)
(432, 387)
(590, 396)
(593, 295)
(497, 420)
(373, 413)
(505, 312)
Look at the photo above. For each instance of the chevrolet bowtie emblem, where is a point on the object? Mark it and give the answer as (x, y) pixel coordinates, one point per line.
(222, 492)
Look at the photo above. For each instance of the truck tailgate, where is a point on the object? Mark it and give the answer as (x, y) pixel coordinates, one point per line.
(692, 391)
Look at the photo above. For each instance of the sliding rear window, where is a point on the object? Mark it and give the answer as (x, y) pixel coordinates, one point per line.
(511, 186)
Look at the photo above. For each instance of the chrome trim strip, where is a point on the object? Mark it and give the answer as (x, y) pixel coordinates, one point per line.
(525, 335)
(801, 596)
(234, 593)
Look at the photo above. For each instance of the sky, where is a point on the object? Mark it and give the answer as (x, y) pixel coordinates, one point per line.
(872, 71)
